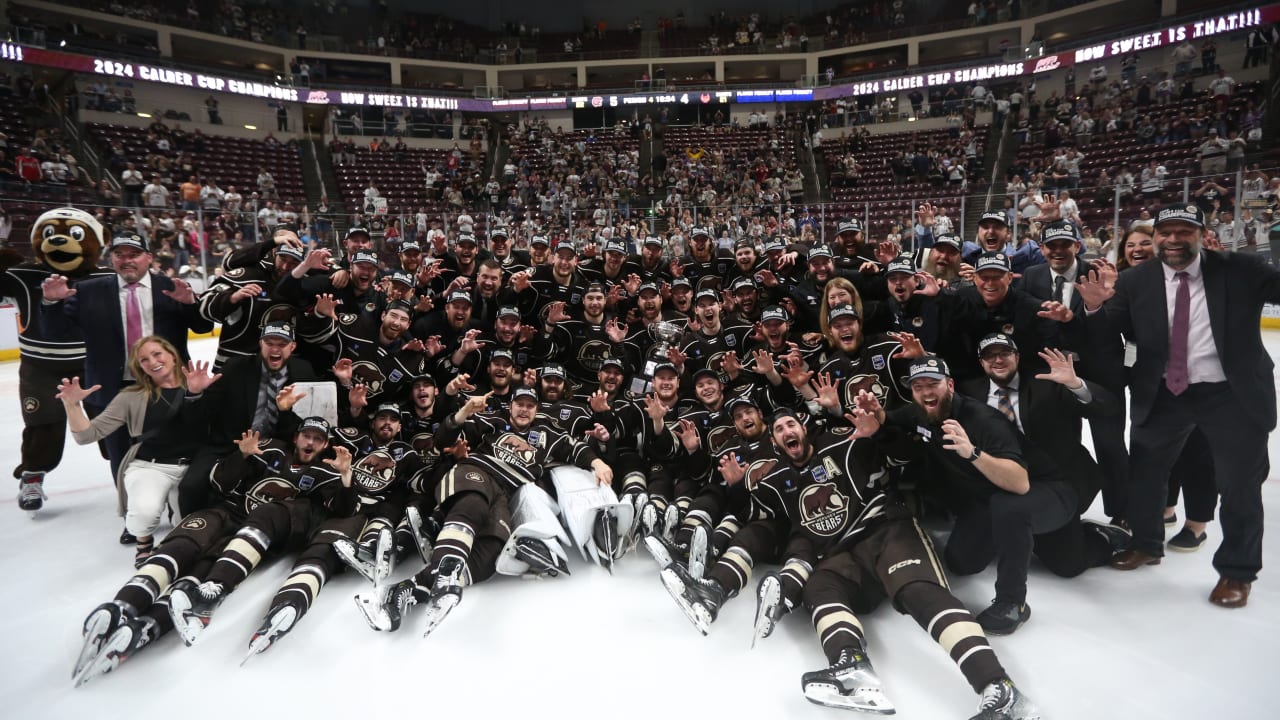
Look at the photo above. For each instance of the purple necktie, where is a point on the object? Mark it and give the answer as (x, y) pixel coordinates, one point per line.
(1176, 377)
(132, 318)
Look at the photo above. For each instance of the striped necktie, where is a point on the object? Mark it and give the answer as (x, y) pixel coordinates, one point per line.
(1004, 404)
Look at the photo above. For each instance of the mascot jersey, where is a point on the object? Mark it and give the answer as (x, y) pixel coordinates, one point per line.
(65, 241)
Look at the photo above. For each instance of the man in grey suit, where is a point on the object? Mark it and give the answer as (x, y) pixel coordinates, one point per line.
(1194, 317)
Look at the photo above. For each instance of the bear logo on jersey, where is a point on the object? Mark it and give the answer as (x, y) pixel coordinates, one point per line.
(514, 450)
(375, 471)
(195, 523)
(823, 510)
(719, 438)
(592, 354)
(757, 471)
(870, 383)
(272, 489)
(369, 375)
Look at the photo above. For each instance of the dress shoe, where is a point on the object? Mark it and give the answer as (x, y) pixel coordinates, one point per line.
(1133, 559)
(1186, 541)
(128, 538)
(1003, 617)
(1230, 593)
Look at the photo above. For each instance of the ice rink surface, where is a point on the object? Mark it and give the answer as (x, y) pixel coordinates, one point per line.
(1106, 645)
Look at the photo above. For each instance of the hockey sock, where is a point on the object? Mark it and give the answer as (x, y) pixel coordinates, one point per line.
(723, 535)
(372, 527)
(470, 511)
(684, 533)
(157, 573)
(951, 626)
(242, 555)
(301, 587)
(838, 630)
(732, 570)
(633, 484)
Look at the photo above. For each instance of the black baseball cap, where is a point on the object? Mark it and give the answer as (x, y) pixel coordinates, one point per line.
(459, 296)
(842, 310)
(615, 246)
(929, 366)
(613, 361)
(132, 240)
(705, 372)
(666, 366)
(996, 340)
(358, 231)
(994, 215)
(277, 329)
(524, 392)
(774, 312)
(316, 423)
(502, 354)
(901, 264)
(1189, 213)
(949, 239)
(707, 294)
(296, 253)
(389, 408)
(410, 246)
(847, 225)
(403, 278)
(553, 370)
(993, 261)
(540, 240)
(742, 283)
(740, 401)
(1059, 230)
(653, 240)
(507, 311)
(364, 256)
(681, 282)
(822, 251)
(465, 238)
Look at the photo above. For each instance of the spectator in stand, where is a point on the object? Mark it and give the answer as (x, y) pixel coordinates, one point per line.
(211, 197)
(1213, 154)
(1222, 88)
(27, 166)
(155, 195)
(1183, 55)
(189, 191)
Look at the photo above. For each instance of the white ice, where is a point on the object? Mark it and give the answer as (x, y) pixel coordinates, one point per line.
(1106, 645)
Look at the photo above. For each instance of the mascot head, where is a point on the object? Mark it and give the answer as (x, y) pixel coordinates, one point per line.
(67, 240)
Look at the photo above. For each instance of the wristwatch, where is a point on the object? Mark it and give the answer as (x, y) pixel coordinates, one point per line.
(973, 456)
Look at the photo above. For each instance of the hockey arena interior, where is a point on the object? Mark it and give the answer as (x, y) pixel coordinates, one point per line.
(569, 360)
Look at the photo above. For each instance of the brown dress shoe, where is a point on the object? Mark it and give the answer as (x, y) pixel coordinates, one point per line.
(1133, 559)
(1230, 593)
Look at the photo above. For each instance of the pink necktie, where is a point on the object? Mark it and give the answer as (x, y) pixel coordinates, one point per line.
(1176, 374)
(133, 318)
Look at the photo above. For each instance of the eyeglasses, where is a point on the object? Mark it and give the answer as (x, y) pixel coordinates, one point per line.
(997, 355)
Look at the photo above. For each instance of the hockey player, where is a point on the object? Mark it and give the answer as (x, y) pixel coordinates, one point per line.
(502, 453)
(851, 546)
(139, 614)
(582, 340)
(243, 299)
(289, 500)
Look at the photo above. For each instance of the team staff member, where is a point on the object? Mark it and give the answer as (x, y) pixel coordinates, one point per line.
(1004, 492)
(1200, 364)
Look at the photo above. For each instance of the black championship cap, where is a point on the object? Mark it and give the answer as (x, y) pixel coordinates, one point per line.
(132, 240)
(316, 423)
(929, 366)
(277, 329)
(993, 261)
(842, 310)
(996, 340)
(1189, 213)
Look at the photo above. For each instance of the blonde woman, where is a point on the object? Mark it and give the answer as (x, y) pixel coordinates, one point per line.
(164, 436)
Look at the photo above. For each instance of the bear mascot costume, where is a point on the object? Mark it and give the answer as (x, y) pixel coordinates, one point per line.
(65, 241)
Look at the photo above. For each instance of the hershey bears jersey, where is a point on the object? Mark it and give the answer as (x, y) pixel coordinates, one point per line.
(581, 346)
(873, 369)
(242, 322)
(708, 351)
(832, 499)
(516, 457)
(22, 283)
(272, 476)
(378, 472)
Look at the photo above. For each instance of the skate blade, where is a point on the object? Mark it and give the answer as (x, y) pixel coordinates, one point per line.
(273, 629)
(384, 558)
(108, 657)
(868, 700)
(696, 614)
(346, 553)
(768, 595)
(187, 624)
(658, 551)
(370, 604)
(438, 609)
(94, 637)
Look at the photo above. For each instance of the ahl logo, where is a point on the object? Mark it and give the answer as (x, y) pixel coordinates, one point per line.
(1046, 64)
(823, 510)
(318, 97)
(898, 566)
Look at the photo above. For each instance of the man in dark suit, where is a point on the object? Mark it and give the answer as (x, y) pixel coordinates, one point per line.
(1194, 317)
(1055, 280)
(113, 313)
(256, 392)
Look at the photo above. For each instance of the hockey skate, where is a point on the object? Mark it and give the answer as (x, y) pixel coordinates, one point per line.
(699, 599)
(850, 683)
(101, 623)
(670, 521)
(279, 621)
(423, 530)
(604, 531)
(1002, 700)
(372, 559)
(698, 548)
(446, 591)
(133, 635)
(31, 495)
(191, 606)
(541, 561)
(770, 606)
(384, 609)
(665, 551)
